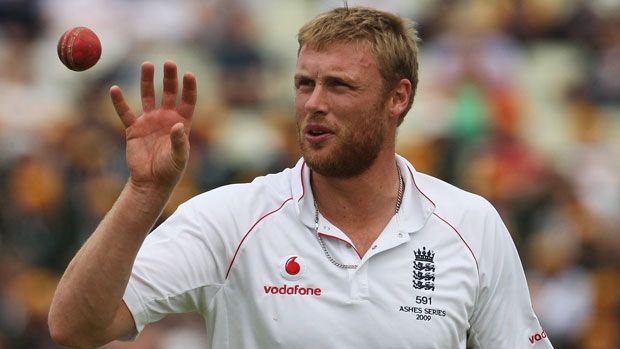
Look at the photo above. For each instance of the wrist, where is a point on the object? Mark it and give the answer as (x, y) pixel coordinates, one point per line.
(149, 199)
(151, 189)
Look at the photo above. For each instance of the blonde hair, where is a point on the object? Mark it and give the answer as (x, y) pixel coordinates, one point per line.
(392, 39)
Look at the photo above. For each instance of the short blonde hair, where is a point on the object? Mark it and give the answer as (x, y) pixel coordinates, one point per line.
(392, 39)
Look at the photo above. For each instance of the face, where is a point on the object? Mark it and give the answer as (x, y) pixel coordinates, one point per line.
(341, 111)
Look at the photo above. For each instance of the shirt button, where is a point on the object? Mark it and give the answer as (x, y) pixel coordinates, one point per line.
(374, 247)
(401, 235)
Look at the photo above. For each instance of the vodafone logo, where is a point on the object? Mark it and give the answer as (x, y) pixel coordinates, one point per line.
(293, 268)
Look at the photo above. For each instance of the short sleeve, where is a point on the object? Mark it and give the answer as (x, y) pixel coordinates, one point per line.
(503, 316)
(178, 268)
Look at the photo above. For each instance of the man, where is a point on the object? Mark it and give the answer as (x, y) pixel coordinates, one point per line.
(352, 248)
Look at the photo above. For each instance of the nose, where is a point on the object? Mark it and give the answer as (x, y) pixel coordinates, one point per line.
(317, 102)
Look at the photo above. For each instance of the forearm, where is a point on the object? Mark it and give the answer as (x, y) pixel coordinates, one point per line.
(90, 292)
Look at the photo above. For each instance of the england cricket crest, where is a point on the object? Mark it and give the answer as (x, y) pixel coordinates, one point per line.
(424, 270)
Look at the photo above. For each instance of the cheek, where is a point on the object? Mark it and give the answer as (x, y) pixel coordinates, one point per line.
(300, 102)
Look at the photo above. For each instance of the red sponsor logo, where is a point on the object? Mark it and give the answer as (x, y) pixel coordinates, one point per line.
(538, 337)
(292, 290)
(291, 266)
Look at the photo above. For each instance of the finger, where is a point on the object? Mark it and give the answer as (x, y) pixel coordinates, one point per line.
(147, 87)
(121, 107)
(180, 145)
(171, 86)
(189, 96)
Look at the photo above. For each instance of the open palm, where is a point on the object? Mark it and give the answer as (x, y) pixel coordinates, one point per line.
(157, 141)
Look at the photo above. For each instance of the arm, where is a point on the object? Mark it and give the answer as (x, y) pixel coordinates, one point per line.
(503, 317)
(87, 309)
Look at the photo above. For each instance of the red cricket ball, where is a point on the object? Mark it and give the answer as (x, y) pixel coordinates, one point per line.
(79, 48)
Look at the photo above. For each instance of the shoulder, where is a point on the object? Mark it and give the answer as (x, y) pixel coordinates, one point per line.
(244, 201)
(471, 216)
(451, 201)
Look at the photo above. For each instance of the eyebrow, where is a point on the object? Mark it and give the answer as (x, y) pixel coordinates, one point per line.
(339, 77)
(300, 76)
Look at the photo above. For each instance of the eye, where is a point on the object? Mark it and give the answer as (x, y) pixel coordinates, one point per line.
(304, 83)
(339, 84)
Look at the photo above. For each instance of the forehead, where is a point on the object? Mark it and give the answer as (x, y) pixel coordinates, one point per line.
(351, 59)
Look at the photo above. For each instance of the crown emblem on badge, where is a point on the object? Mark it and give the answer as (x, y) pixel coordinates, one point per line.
(424, 269)
(424, 255)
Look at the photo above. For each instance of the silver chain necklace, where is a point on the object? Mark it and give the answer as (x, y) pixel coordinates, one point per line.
(399, 201)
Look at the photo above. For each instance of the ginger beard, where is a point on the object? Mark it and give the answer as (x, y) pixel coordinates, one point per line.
(354, 148)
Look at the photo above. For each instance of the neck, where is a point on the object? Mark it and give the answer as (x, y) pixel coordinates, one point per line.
(368, 196)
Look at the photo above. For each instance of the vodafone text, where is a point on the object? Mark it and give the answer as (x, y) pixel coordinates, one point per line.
(292, 290)
(538, 337)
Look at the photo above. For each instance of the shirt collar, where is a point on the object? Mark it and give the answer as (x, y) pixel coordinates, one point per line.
(302, 192)
(417, 207)
(414, 212)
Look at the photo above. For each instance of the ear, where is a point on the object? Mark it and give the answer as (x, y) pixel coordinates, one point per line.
(399, 98)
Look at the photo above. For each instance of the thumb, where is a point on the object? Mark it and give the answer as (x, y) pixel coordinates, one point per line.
(180, 144)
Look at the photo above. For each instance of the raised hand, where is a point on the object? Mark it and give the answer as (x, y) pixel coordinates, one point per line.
(157, 140)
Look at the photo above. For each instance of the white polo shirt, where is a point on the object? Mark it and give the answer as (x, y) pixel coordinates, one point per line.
(444, 273)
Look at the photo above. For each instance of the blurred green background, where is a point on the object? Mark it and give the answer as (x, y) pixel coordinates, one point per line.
(519, 101)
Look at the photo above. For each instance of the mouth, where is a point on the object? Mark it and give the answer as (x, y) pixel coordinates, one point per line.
(317, 133)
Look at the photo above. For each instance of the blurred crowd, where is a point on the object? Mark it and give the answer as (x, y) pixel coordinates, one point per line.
(519, 101)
